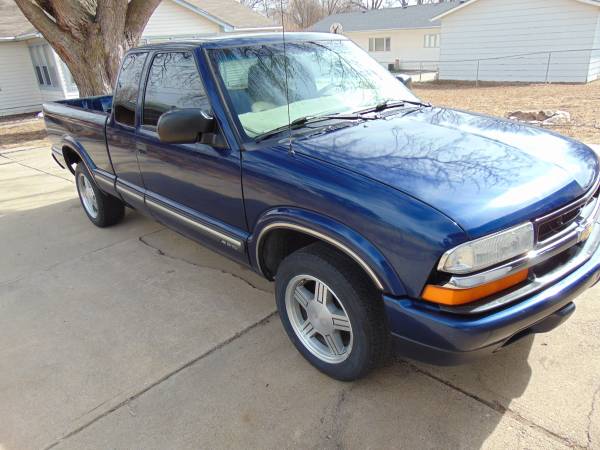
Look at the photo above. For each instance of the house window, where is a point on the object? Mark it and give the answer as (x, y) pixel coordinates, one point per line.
(432, 41)
(380, 44)
(44, 65)
(68, 77)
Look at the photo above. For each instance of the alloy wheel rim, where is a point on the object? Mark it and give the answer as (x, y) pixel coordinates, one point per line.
(319, 319)
(88, 196)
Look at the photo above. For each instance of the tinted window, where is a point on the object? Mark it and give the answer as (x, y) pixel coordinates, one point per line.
(127, 88)
(173, 82)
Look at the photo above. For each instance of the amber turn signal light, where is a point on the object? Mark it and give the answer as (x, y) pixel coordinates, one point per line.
(455, 297)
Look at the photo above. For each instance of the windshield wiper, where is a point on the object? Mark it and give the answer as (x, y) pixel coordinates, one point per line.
(387, 104)
(302, 121)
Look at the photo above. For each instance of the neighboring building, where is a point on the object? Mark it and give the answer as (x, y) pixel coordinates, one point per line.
(32, 73)
(405, 37)
(494, 31)
(178, 19)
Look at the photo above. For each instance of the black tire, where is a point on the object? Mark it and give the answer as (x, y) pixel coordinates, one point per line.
(110, 210)
(361, 302)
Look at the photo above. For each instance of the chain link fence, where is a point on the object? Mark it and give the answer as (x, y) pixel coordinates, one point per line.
(557, 66)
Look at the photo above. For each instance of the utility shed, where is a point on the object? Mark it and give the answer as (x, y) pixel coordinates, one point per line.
(516, 40)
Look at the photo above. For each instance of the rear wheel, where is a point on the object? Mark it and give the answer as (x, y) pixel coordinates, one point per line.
(331, 312)
(102, 209)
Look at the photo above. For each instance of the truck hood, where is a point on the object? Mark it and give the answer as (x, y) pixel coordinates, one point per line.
(484, 173)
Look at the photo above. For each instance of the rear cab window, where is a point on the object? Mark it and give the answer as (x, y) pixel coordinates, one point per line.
(127, 89)
(173, 83)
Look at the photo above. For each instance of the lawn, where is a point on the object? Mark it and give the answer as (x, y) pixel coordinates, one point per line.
(581, 100)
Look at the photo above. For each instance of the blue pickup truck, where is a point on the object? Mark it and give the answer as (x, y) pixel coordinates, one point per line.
(387, 223)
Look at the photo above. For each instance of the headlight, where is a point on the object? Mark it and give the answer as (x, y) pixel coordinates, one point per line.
(489, 250)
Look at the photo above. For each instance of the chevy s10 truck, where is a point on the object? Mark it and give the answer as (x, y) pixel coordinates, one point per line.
(382, 219)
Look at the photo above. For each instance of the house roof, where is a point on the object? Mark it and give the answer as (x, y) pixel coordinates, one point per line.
(12, 21)
(417, 16)
(228, 13)
(470, 2)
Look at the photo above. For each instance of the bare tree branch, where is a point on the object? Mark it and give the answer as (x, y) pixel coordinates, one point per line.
(34, 13)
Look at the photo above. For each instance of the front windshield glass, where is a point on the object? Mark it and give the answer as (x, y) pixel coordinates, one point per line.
(323, 77)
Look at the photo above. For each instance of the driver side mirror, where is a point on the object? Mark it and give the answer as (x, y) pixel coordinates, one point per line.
(406, 80)
(184, 126)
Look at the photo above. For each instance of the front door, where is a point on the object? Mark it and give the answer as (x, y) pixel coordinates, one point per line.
(194, 188)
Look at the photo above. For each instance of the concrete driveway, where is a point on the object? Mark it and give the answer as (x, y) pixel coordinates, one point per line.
(134, 337)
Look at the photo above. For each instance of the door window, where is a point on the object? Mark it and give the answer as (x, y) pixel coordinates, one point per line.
(173, 82)
(128, 85)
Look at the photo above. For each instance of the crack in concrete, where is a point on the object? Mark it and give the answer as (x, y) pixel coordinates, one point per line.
(76, 258)
(338, 424)
(595, 398)
(499, 408)
(165, 377)
(20, 150)
(177, 258)
(70, 180)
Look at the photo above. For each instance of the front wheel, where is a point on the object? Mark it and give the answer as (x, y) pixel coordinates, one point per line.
(102, 209)
(331, 312)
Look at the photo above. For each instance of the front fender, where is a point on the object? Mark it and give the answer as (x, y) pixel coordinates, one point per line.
(335, 233)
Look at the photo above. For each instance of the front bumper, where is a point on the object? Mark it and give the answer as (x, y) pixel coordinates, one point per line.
(426, 334)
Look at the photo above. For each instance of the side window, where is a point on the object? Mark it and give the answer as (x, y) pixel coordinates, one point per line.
(173, 82)
(127, 89)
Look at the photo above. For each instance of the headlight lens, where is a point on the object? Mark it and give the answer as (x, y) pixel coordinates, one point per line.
(489, 250)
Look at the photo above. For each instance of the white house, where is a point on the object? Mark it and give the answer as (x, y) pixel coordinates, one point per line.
(406, 37)
(32, 72)
(516, 40)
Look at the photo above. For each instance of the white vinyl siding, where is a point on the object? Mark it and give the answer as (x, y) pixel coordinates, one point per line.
(406, 46)
(498, 28)
(171, 20)
(19, 91)
(594, 72)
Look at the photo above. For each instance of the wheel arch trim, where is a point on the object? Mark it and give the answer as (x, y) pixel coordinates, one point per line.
(334, 233)
(67, 142)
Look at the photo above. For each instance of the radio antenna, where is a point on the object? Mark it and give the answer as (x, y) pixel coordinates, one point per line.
(285, 68)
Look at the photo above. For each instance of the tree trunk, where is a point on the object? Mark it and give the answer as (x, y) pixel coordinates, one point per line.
(90, 36)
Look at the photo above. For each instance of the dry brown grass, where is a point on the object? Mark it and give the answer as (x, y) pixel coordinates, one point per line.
(581, 100)
(23, 130)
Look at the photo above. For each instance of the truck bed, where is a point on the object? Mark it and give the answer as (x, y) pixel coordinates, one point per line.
(82, 123)
(101, 103)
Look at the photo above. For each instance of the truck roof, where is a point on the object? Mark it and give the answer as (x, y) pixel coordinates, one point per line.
(236, 40)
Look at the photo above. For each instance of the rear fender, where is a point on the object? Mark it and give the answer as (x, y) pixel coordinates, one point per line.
(67, 142)
(104, 180)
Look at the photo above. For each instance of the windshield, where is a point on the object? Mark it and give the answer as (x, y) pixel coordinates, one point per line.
(323, 78)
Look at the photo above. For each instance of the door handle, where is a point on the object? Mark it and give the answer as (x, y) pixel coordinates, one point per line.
(141, 147)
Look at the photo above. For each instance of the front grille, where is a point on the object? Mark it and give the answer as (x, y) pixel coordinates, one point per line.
(554, 225)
